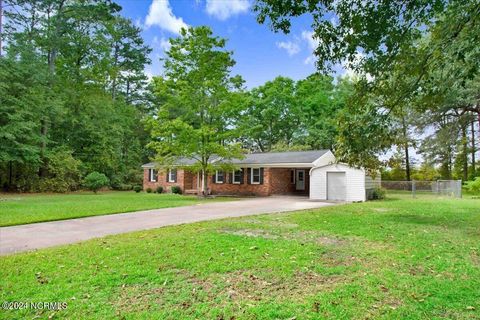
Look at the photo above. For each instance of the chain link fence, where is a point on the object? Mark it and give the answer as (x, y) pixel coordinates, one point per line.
(445, 188)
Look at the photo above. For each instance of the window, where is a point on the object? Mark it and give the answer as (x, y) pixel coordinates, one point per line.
(255, 176)
(219, 177)
(152, 175)
(292, 176)
(237, 177)
(172, 175)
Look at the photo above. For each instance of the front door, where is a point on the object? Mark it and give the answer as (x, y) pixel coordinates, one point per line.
(300, 180)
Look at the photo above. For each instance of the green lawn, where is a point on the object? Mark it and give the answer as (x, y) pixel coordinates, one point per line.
(27, 208)
(393, 259)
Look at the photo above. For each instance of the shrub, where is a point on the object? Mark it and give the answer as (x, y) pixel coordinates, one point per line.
(137, 189)
(125, 187)
(159, 189)
(95, 181)
(473, 186)
(176, 189)
(149, 190)
(378, 194)
(62, 172)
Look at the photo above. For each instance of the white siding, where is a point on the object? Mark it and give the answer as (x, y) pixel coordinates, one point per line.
(327, 158)
(371, 183)
(355, 180)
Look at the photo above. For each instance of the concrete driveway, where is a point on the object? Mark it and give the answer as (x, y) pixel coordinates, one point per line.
(47, 234)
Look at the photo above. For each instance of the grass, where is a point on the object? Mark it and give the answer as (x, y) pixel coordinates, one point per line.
(28, 208)
(401, 258)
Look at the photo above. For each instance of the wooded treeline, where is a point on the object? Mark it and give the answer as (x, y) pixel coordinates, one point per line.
(74, 97)
(73, 94)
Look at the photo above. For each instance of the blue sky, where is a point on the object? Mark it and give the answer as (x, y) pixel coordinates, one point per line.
(261, 54)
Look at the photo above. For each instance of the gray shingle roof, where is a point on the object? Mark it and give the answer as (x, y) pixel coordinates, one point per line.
(266, 158)
(281, 157)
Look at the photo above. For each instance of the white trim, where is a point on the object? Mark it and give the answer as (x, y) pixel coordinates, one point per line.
(277, 165)
(233, 176)
(251, 176)
(170, 171)
(151, 174)
(216, 177)
(297, 180)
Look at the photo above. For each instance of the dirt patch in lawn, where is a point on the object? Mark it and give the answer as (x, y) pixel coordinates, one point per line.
(135, 298)
(303, 236)
(219, 289)
(247, 286)
(254, 233)
(475, 258)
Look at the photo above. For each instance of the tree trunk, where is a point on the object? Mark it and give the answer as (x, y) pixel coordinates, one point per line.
(473, 147)
(205, 183)
(405, 147)
(407, 163)
(115, 64)
(43, 144)
(465, 153)
(1, 34)
(10, 174)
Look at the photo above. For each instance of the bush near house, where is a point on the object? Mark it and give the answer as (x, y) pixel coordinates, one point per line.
(159, 189)
(378, 194)
(95, 181)
(176, 190)
(137, 189)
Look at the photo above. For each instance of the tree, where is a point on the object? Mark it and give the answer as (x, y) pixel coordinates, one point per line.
(374, 30)
(74, 76)
(95, 181)
(272, 115)
(198, 100)
(19, 137)
(320, 102)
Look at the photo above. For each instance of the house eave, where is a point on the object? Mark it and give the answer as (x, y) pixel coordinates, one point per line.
(251, 165)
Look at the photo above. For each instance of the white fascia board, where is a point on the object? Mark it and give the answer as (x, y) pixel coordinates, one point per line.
(274, 165)
(325, 159)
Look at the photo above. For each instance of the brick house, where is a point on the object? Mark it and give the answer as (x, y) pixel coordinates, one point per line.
(260, 174)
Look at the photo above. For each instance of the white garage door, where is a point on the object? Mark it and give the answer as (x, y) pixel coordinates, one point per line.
(336, 186)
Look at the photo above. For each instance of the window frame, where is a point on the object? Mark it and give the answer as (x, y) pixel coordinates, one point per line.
(239, 177)
(252, 175)
(152, 174)
(216, 177)
(172, 173)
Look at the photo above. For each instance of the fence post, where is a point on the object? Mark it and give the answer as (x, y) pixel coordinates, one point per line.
(413, 188)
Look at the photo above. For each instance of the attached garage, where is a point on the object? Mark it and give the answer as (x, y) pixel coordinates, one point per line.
(337, 182)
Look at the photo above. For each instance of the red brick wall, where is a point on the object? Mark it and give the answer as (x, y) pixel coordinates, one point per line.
(242, 189)
(162, 180)
(275, 181)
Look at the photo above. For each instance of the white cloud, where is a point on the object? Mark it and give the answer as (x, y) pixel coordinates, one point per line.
(310, 59)
(291, 47)
(160, 14)
(312, 42)
(224, 9)
(163, 43)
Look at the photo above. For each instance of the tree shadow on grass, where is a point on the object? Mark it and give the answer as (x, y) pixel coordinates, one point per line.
(429, 221)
